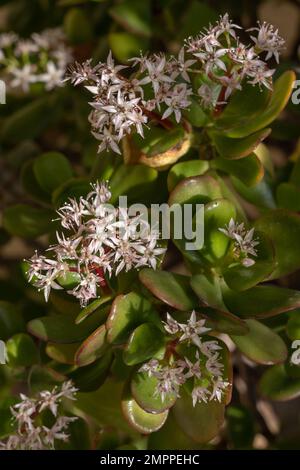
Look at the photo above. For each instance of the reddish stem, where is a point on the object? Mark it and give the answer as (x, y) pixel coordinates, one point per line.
(166, 123)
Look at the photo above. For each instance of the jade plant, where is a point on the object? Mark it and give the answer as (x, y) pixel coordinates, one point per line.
(153, 342)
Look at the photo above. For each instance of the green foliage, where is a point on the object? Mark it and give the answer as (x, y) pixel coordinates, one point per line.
(212, 157)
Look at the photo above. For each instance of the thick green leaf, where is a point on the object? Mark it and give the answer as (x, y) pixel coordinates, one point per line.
(243, 117)
(238, 148)
(30, 183)
(62, 353)
(261, 344)
(208, 289)
(248, 170)
(79, 436)
(92, 348)
(223, 321)
(103, 406)
(202, 422)
(42, 377)
(132, 181)
(195, 114)
(139, 419)
(144, 343)
(28, 222)
(62, 328)
(165, 148)
(73, 188)
(7, 427)
(261, 301)
(127, 312)
(283, 229)
(195, 189)
(104, 164)
(159, 140)
(217, 214)
(52, 169)
(119, 369)
(171, 288)
(244, 104)
(170, 437)
(21, 350)
(239, 277)
(91, 377)
(64, 303)
(275, 384)
(184, 170)
(293, 325)
(143, 391)
(95, 305)
(69, 280)
(190, 352)
(260, 195)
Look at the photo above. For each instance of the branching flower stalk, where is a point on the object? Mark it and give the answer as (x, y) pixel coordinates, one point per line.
(206, 371)
(161, 88)
(31, 434)
(101, 240)
(41, 59)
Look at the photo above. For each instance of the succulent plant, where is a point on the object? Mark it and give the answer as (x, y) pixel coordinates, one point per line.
(144, 339)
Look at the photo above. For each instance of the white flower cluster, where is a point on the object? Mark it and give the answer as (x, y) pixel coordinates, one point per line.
(43, 58)
(244, 244)
(206, 371)
(118, 102)
(103, 240)
(229, 63)
(30, 434)
(157, 87)
(268, 40)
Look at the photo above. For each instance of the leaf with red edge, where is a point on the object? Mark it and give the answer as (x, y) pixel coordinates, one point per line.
(92, 347)
(282, 227)
(237, 148)
(171, 288)
(261, 344)
(261, 301)
(142, 421)
(127, 312)
(275, 384)
(202, 422)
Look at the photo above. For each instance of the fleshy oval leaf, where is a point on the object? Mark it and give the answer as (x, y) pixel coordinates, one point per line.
(142, 421)
(144, 343)
(127, 312)
(143, 389)
(261, 344)
(171, 288)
